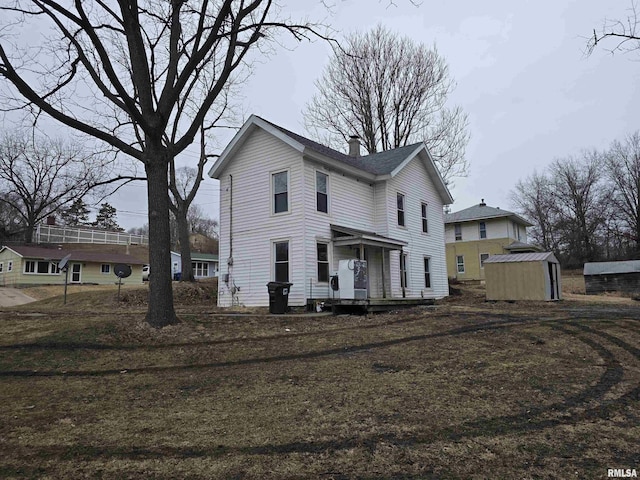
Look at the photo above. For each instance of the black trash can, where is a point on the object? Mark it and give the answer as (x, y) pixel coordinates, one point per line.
(278, 296)
(177, 276)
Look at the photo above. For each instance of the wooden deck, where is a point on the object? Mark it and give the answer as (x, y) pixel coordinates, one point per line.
(339, 306)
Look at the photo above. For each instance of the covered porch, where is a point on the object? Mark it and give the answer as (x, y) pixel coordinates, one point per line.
(385, 275)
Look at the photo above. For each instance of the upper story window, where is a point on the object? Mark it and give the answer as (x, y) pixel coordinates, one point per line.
(425, 222)
(322, 192)
(280, 182)
(401, 221)
(458, 231)
(483, 230)
(516, 231)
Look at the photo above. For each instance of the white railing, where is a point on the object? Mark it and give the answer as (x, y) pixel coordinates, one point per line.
(57, 234)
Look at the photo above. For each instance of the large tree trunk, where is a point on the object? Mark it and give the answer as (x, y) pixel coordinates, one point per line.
(160, 312)
(185, 246)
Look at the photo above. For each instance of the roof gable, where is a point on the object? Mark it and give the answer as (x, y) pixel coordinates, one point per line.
(375, 167)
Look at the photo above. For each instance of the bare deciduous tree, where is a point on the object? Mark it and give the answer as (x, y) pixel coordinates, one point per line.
(39, 176)
(140, 75)
(390, 92)
(623, 171)
(534, 199)
(623, 35)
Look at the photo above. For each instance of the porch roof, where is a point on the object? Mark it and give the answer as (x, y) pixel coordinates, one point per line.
(346, 236)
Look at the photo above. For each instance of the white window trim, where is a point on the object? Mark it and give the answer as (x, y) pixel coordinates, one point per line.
(480, 230)
(404, 210)
(49, 272)
(108, 269)
(455, 235)
(426, 217)
(315, 181)
(407, 270)
(272, 199)
(424, 272)
(273, 257)
(458, 264)
(328, 244)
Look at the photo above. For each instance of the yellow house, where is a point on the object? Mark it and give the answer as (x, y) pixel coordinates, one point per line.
(36, 265)
(474, 234)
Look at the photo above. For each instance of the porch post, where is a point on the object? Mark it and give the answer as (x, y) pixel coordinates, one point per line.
(384, 288)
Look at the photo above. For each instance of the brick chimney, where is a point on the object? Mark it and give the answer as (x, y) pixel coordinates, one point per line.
(354, 146)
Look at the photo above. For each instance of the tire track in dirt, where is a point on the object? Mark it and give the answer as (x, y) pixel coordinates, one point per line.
(571, 410)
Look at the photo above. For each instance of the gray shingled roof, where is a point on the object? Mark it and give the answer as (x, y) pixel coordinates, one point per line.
(606, 268)
(382, 163)
(480, 212)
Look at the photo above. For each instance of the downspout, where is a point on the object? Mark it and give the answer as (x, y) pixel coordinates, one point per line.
(230, 259)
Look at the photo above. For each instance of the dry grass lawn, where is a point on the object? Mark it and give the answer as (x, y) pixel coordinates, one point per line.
(466, 389)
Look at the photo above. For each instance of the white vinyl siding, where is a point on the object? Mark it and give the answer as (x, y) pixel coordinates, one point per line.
(254, 225)
(418, 245)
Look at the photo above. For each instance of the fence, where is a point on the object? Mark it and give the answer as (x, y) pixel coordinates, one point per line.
(56, 234)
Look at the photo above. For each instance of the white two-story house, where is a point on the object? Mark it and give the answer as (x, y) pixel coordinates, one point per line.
(291, 209)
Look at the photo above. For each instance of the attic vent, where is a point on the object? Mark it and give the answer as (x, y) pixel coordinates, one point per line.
(482, 204)
(354, 146)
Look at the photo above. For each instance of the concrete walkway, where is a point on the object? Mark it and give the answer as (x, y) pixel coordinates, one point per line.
(10, 297)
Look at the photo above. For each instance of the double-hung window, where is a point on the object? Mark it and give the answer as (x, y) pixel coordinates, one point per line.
(400, 200)
(322, 192)
(483, 257)
(403, 270)
(323, 262)
(483, 230)
(460, 263)
(280, 185)
(427, 272)
(425, 222)
(281, 264)
(458, 231)
(105, 268)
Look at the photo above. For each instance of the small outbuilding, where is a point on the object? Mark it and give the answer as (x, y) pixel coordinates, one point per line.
(523, 276)
(601, 277)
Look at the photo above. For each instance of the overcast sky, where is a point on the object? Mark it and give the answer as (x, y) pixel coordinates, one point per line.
(522, 76)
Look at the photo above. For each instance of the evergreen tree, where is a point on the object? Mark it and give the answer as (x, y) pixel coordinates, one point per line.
(107, 218)
(76, 214)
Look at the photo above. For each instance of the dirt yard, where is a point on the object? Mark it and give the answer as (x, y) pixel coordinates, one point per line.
(465, 389)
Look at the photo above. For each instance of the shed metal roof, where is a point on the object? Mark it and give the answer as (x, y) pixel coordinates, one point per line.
(606, 268)
(522, 257)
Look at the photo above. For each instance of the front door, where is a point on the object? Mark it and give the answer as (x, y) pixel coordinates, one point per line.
(76, 273)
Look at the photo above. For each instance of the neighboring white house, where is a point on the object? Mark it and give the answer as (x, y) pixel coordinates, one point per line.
(205, 265)
(291, 209)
